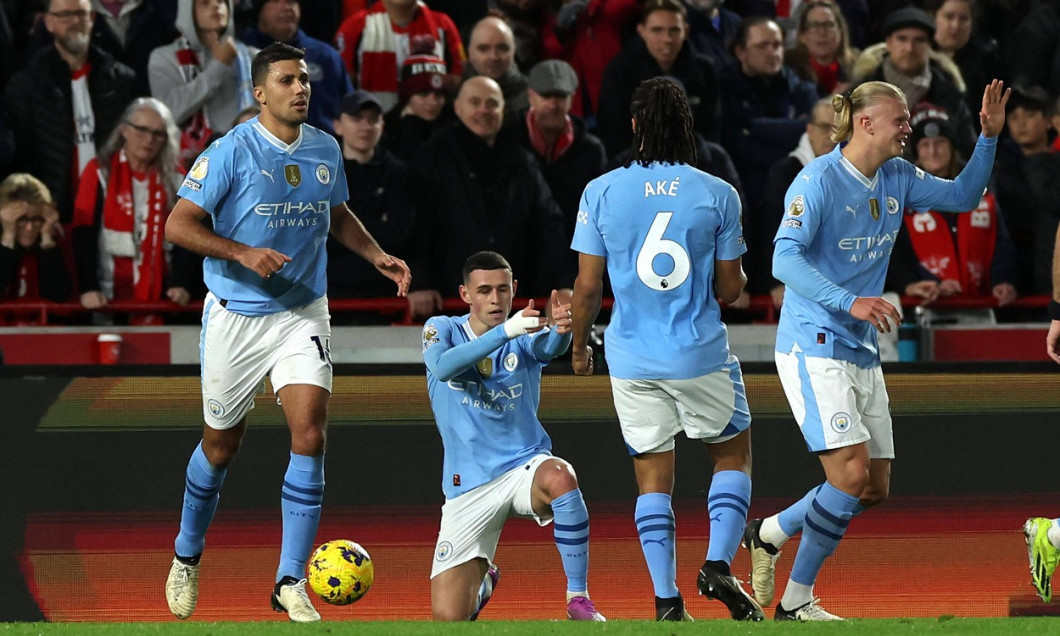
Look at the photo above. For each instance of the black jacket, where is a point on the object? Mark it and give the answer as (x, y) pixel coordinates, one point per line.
(567, 176)
(758, 131)
(1034, 51)
(53, 279)
(381, 195)
(147, 31)
(980, 62)
(40, 114)
(476, 197)
(633, 65)
(1028, 192)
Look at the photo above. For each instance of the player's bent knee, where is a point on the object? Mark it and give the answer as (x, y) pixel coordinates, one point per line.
(309, 440)
(556, 479)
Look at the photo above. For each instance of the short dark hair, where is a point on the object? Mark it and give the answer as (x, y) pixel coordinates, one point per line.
(743, 32)
(275, 52)
(673, 6)
(484, 260)
(1032, 98)
(663, 123)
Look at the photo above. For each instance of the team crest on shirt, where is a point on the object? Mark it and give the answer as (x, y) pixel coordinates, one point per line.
(216, 408)
(199, 170)
(840, 422)
(293, 174)
(892, 205)
(444, 551)
(797, 207)
(485, 367)
(323, 174)
(511, 361)
(874, 209)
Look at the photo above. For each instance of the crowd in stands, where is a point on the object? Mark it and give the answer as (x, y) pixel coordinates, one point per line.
(476, 124)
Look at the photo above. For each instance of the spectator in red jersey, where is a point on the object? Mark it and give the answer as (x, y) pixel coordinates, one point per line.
(120, 213)
(31, 264)
(588, 34)
(375, 42)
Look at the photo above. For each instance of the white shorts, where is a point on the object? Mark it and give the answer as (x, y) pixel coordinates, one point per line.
(471, 523)
(837, 403)
(236, 352)
(712, 408)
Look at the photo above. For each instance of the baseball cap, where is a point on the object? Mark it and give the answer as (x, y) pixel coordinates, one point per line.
(553, 77)
(909, 17)
(358, 99)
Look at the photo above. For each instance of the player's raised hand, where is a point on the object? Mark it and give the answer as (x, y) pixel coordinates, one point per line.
(561, 314)
(581, 360)
(992, 116)
(263, 261)
(877, 311)
(529, 320)
(396, 270)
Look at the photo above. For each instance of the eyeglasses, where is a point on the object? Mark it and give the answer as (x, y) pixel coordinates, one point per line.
(76, 14)
(160, 135)
(31, 220)
(826, 25)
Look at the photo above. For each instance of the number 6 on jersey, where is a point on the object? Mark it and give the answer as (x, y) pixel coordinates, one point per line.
(655, 245)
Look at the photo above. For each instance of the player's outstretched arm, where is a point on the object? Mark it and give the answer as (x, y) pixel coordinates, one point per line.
(348, 229)
(184, 228)
(585, 306)
(992, 115)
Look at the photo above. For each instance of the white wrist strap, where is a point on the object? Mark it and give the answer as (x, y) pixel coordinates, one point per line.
(519, 324)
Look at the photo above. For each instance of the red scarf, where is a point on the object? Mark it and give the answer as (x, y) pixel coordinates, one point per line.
(965, 259)
(196, 132)
(136, 270)
(827, 76)
(540, 144)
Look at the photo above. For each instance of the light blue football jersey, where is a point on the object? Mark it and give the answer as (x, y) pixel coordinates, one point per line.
(661, 227)
(263, 192)
(486, 414)
(845, 225)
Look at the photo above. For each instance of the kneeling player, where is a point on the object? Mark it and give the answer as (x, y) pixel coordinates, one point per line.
(484, 380)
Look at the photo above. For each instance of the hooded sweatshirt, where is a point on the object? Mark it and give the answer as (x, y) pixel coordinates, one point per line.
(216, 90)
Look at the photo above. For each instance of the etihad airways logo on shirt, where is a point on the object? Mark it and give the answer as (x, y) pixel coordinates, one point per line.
(489, 398)
(868, 247)
(292, 207)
